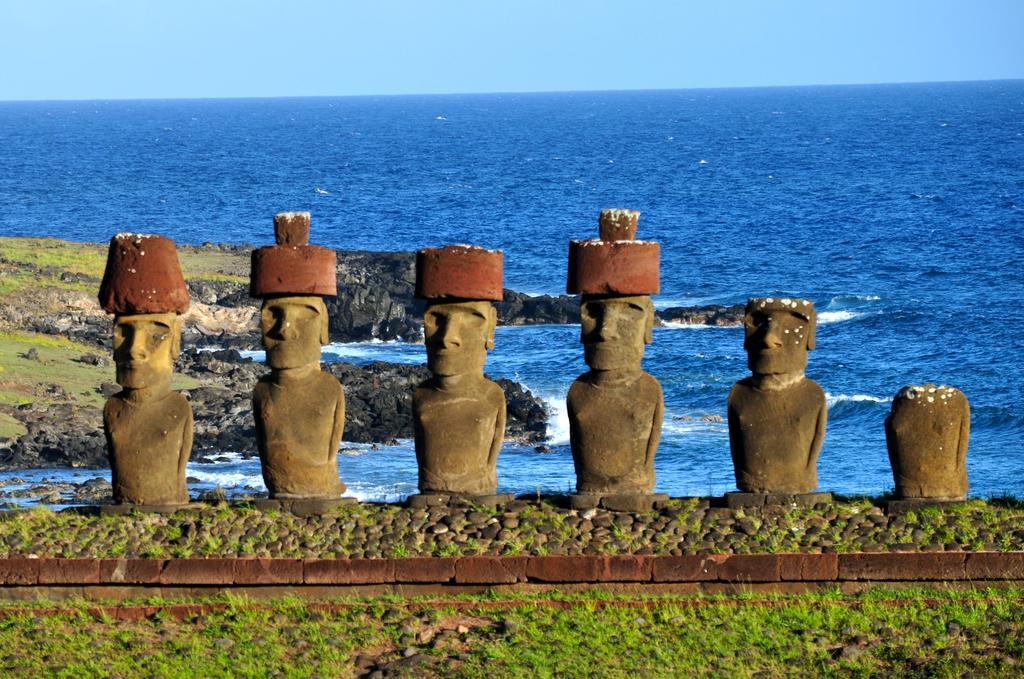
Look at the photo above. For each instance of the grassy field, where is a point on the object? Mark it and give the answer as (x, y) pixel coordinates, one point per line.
(910, 633)
(63, 265)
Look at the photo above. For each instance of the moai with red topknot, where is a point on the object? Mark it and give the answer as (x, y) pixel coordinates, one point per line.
(615, 409)
(299, 410)
(777, 416)
(148, 427)
(458, 414)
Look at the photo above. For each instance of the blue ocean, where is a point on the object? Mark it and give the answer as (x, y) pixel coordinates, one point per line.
(897, 209)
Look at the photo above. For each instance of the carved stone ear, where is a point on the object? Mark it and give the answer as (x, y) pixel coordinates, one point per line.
(176, 338)
(492, 323)
(649, 323)
(325, 337)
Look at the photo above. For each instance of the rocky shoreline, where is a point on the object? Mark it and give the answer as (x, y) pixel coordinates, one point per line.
(375, 301)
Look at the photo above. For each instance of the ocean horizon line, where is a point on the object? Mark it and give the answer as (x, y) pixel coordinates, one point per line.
(397, 95)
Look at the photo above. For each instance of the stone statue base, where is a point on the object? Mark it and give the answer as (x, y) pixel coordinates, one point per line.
(122, 509)
(425, 500)
(639, 502)
(744, 500)
(304, 506)
(910, 504)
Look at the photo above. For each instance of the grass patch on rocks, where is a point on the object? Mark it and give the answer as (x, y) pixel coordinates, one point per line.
(907, 633)
(521, 527)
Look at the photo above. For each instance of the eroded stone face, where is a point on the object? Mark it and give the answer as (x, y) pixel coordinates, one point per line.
(299, 410)
(614, 330)
(458, 414)
(148, 427)
(293, 329)
(615, 409)
(927, 434)
(457, 336)
(145, 348)
(777, 335)
(777, 416)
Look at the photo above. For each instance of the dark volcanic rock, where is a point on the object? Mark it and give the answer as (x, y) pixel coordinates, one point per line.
(519, 309)
(711, 314)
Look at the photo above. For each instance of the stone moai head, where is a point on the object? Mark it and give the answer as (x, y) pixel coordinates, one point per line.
(459, 282)
(778, 333)
(292, 277)
(615, 276)
(927, 433)
(144, 289)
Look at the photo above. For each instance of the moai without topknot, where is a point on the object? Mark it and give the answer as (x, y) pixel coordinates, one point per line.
(777, 416)
(927, 434)
(299, 410)
(148, 427)
(615, 409)
(458, 414)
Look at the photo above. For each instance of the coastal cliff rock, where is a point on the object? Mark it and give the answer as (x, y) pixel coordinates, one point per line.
(378, 410)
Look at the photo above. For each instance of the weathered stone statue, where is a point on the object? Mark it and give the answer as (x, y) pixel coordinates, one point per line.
(299, 410)
(927, 434)
(777, 416)
(615, 409)
(148, 427)
(458, 414)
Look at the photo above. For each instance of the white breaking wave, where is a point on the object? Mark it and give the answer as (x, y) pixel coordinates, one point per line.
(826, 317)
(227, 479)
(832, 399)
(558, 420)
(677, 325)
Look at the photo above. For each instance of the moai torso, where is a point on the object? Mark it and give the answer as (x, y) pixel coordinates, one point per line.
(614, 434)
(777, 416)
(775, 436)
(148, 444)
(458, 436)
(927, 434)
(299, 424)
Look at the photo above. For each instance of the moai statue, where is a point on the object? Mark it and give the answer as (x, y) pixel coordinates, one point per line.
(148, 427)
(458, 414)
(299, 410)
(615, 409)
(777, 416)
(927, 433)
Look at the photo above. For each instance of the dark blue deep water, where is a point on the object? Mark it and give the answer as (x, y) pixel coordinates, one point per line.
(898, 209)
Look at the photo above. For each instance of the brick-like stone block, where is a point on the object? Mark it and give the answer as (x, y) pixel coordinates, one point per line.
(490, 570)
(627, 568)
(69, 571)
(903, 566)
(995, 566)
(564, 568)
(131, 571)
(348, 571)
(198, 572)
(687, 568)
(425, 569)
(268, 572)
(19, 571)
(809, 567)
(750, 568)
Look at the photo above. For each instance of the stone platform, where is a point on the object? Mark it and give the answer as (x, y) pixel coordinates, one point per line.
(425, 500)
(618, 503)
(745, 500)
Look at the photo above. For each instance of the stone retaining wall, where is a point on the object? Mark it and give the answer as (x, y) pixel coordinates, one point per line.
(113, 578)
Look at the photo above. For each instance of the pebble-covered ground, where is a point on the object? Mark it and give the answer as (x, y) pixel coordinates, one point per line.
(537, 527)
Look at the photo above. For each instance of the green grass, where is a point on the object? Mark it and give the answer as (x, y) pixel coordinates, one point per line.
(879, 633)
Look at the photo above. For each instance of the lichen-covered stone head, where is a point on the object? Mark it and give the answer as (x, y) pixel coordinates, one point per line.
(778, 333)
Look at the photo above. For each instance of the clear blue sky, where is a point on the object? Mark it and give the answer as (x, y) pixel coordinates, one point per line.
(102, 49)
